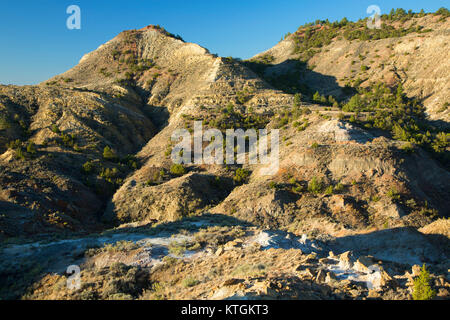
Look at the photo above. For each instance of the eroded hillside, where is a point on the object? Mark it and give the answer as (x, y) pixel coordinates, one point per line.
(327, 57)
(363, 177)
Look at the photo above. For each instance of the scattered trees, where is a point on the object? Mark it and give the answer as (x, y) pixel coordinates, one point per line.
(443, 11)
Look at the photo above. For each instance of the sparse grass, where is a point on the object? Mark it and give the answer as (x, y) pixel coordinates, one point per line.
(329, 190)
(339, 187)
(190, 282)
(216, 236)
(22, 151)
(121, 246)
(393, 194)
(116, 282)
(273, 185)
(177, 248)
(375, 198)
(301, 125)
(111, 248)
(252, 270)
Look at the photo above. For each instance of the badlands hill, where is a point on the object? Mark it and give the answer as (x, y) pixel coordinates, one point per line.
(87, 177)
(334, 55)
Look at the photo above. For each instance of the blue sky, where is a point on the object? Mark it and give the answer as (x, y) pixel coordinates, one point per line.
(36, 44)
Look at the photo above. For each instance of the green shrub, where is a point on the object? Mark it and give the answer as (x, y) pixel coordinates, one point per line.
(297, 99)
(272, 185)
(20, 154)
(306, 111)
(443, 11)
(422, 289)
(109, 154)
(393, 194)
(4, 123)
(168, 151)
(329, 190)
(441, 142)
(298, 188)
(252, 270)
(55, 129)
(339, 187)
(332, 101)
(190, 282)
(318, 98)
(87, 167)
(241, 175)
(315, 185)
(157, 177)
(31, 148)
(177, 169)
(301, 125)
(243, 96)
(104, 72)
(120, 246)
(14, 144)
(67, 140)
(177, 248)
(109, 174)
(230, 108)
(408, 147)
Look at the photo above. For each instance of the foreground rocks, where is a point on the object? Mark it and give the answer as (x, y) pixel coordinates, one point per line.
(212, 259)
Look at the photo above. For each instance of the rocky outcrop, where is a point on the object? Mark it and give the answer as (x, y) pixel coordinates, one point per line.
(169, 201)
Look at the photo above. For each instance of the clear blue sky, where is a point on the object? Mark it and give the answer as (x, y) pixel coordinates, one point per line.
(36, 44)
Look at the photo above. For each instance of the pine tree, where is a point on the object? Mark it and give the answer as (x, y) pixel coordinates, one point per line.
(391, 14)
(297, 99)
(109, 154)
(422, 288)
(316, 96)
(315, 185)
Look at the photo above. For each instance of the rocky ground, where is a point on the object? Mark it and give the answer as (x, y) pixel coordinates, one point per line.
(218, 257)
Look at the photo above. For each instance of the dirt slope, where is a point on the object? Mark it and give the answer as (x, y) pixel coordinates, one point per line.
(420, 61)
